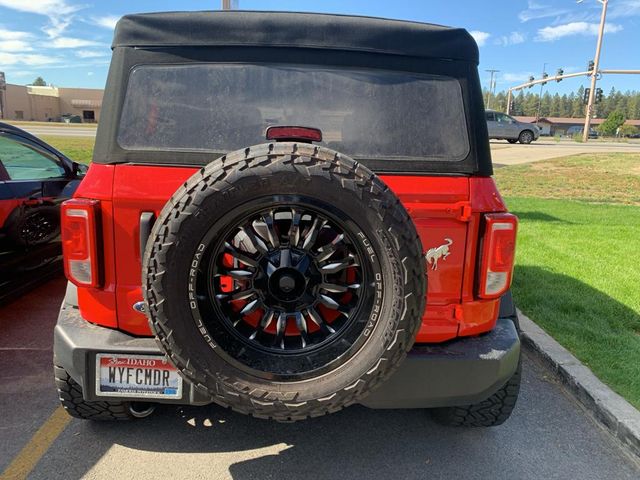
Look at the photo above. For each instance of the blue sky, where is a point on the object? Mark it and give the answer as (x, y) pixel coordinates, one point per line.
(67, 41)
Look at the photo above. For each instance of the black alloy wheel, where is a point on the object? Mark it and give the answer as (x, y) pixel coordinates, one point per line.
(37, 227)
(284, 279)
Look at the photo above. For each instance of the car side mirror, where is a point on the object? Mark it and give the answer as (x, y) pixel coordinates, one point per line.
(79, 169)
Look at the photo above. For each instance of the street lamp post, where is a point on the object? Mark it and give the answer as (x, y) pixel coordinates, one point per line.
(595, 73)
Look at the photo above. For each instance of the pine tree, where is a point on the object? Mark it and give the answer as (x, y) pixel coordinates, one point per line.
(633, 106)
(565, 106)
(556, 106)
(525, 103)
(577, 108)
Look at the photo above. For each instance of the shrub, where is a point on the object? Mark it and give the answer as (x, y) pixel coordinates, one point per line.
(611, 124)
(628, 130)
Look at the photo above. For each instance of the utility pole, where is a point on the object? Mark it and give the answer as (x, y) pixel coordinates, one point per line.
(3, 88)
(544, 75)
(492, 86)
(594, 73)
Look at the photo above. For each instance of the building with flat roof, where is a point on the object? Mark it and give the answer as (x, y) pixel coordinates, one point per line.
(51, 104)
(560, 125)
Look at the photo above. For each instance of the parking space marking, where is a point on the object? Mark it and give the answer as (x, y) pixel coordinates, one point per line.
(33, 451)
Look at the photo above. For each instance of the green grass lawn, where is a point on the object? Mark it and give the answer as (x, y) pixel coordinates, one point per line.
(577, 264)
(79, 149)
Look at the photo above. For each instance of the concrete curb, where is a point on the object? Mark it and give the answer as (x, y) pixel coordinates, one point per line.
(609, 408)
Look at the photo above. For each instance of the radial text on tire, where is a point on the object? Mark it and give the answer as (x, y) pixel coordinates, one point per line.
(284, 280)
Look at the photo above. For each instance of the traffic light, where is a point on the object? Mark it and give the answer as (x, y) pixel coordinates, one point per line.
(598, 95)
(559, 73)
(591, 66)
(531, 79)
(545, 75)
(585, 97)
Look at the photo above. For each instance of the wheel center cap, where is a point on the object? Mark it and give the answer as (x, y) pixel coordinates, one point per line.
(287, 283)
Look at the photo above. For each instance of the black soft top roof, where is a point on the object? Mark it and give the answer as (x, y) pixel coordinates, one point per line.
(304, 30)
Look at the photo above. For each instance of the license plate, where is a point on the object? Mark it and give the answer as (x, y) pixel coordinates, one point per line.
(139, 376)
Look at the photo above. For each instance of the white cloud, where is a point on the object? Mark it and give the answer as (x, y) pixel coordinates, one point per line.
(90, 53)
(480, 37)
(21, 73)
(59, 12)
(45, 7)
(89, 74)
(28, 59)
(108, 21)
(552, 33)
(623, 8)
(13, 35)
(514, 38)
(88, 63)
(513, 77)
(537, 10)
(585, 12)
(15, 46)
(69, 42)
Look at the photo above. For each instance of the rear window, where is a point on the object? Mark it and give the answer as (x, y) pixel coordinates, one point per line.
(372, 114)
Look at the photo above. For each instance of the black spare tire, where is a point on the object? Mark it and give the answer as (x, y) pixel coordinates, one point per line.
(284, 280)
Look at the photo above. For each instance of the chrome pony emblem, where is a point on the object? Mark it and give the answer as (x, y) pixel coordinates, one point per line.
(434, 254)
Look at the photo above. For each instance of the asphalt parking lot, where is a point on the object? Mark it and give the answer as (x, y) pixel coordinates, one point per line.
(549, 435)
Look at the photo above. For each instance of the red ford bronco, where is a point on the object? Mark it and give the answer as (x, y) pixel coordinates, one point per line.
(287, 214)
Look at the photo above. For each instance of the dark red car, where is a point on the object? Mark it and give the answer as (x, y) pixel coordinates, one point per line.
(35, 179)
(288, 214)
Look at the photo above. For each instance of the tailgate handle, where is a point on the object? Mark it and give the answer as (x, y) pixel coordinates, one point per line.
(147, 219)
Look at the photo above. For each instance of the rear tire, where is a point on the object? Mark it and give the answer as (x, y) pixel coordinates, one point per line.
(491, 412)
(526, 137)
(70, 395)
(34, 226)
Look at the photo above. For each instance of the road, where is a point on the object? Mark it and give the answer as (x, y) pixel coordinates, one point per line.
(59, 130)
(549, 436)
(503, 153)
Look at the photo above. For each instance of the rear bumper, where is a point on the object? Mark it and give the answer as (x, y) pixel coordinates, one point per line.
(463, 371)
(459, 372)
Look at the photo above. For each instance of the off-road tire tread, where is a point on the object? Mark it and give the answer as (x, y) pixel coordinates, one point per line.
(70, 395)
(305, 160)
(492, 412)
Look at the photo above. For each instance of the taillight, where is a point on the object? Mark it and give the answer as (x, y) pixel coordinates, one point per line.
(80, 241)
(498, 254)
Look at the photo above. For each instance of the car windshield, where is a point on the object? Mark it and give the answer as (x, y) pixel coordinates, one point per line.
(363, 113)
